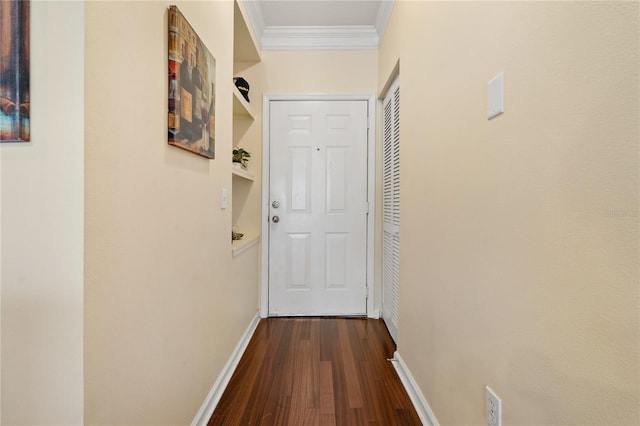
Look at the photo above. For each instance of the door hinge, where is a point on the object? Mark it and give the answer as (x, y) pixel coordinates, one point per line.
(366, 207)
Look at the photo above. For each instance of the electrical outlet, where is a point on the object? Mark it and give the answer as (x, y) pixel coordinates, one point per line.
(493, 408)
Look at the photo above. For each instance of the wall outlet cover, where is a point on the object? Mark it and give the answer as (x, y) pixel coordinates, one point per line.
(493, 408)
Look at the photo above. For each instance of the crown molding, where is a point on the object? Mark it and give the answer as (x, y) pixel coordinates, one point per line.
(317, 37)
(320, 38)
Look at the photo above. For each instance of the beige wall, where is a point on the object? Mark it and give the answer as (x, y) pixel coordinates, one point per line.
(320, 71)
(162, 312)
(42, 231)
(519, 257)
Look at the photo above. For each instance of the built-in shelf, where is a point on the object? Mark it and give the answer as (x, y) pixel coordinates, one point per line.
(240, 246)
(240, 106)
(237, 171)
(246, 53)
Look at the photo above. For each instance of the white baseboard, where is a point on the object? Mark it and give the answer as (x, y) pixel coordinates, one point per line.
(419, 401)
(374, 314)
(209, 404)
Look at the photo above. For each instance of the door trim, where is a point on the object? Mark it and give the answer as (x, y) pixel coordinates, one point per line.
(371, 181)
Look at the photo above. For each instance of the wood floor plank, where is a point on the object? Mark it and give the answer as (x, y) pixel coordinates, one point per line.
(327, 420)
(302, 393)
(282, 411)
(326, 388)
(350, 376)
(316, 371)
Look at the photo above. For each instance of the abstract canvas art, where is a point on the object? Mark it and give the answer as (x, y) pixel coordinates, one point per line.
(14, 71)
(192, 90)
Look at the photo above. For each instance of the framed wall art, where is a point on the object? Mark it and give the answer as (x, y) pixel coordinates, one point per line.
(14, 71)
(192, 90)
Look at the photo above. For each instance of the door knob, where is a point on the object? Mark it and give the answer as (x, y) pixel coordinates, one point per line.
(275, 219)
(275, 204)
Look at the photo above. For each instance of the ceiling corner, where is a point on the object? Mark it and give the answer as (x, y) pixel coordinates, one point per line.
(384, 14)
(256, 18)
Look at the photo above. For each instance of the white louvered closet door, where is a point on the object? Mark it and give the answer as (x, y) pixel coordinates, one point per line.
(391, 208)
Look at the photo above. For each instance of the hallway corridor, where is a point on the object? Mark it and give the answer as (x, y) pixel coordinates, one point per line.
(316, 371)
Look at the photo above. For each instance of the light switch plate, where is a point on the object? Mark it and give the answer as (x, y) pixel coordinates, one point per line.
(223, 198)
(495, 95)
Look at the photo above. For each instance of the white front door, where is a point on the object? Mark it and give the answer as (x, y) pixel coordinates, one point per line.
(318, 208)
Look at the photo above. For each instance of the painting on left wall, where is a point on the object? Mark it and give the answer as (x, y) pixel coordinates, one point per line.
(14, 71)
(192, 89)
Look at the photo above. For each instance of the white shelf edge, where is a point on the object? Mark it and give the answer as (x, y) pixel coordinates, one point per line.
(242, 173)
(240, 246)
(240, 105)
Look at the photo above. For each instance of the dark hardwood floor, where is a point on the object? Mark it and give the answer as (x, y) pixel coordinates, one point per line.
(316, 371)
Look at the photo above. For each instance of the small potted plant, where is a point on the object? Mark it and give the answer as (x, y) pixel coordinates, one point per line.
(240, 156)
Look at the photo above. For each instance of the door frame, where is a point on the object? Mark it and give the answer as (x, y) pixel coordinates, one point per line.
(371, 181)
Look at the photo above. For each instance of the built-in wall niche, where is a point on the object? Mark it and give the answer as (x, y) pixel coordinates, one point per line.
(245, 54)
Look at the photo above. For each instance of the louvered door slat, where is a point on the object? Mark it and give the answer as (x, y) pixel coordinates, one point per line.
(391, 209)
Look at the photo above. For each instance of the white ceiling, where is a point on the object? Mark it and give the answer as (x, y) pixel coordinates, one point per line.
(318, 24)
(314, 12)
